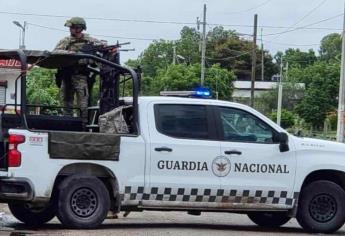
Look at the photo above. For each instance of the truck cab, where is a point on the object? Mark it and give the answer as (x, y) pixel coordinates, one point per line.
(185, 154)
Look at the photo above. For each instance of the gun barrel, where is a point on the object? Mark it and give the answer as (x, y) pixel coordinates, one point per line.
(125, 43)
(127, 50)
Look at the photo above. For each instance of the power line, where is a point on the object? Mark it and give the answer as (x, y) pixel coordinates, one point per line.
(98, 35)
(309, 13)
(163, 22)
(273, 27)
(303, 27)
(290, 44)
(227, 58)
(99, 18)
(151, 39)
(305, 16)
(250, 9)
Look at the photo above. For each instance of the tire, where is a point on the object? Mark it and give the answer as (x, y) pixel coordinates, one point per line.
(83, 202)
(30, 215)
(269, 219)
(321, 208)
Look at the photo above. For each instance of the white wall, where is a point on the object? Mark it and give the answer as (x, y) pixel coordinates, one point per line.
(10, 76)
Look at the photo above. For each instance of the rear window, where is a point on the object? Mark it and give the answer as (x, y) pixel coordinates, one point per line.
(182, 121)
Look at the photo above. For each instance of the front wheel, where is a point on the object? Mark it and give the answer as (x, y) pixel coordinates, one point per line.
(269, 219)
(32, 215)
(83, 202)
(321, 208)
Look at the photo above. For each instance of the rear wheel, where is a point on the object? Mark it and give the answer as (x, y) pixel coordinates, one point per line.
(32, 215)
(269, 219)
(83, 202)
(321, 207)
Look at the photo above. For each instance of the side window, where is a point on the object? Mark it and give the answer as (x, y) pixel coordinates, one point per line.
(240, 126)
(182, 121)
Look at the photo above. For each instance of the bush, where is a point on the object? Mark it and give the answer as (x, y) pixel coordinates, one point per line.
(287, 118)
(333, 120)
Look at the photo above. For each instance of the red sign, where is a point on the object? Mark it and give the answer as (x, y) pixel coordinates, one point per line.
(11, 63)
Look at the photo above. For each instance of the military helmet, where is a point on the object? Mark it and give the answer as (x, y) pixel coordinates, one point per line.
(76, 21)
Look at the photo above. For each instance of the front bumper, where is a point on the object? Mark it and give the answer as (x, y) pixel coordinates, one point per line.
(16, 189)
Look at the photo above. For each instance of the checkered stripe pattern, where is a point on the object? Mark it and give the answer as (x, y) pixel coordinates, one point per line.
(208, 195)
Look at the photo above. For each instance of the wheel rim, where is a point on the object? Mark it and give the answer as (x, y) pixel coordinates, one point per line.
(84, 202)
(323, 208)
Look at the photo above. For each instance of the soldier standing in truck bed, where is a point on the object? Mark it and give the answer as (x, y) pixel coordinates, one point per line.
(76, 83)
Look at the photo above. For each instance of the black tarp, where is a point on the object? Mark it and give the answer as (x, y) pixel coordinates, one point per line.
(84, 146)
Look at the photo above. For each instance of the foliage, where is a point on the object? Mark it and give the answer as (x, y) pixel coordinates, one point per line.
(287, 118)
(158, 55)
(188, 45)
(322, 81)
(184, 77)
(296, 57)
(224, 47)
(330, 48)
(234, 53)
(292, 94)
(95, 92)
(41, 87)
(332, 118)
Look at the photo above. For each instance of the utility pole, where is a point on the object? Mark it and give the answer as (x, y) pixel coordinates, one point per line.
(253, 61)
(287, 71)
(174, 55)
(341, 101)
(280, 93)
(262, 59)
(203, 48)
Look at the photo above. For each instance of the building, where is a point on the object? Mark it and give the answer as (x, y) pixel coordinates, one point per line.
(242, 89)
(9, 72)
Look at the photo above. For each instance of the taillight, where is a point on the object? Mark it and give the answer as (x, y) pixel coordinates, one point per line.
(14, 156)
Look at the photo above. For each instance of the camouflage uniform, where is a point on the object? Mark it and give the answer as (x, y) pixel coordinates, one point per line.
(78, 83)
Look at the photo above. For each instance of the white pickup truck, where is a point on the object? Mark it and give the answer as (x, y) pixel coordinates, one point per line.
(194, 155)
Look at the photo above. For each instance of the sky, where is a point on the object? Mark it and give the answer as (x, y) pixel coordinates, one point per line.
(131, 21)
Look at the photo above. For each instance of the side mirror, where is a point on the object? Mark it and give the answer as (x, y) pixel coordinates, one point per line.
(283, 142)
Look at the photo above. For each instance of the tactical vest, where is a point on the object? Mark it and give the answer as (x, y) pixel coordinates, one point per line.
(75, 44)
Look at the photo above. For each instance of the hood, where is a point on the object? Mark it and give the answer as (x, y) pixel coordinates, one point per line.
(317, 144)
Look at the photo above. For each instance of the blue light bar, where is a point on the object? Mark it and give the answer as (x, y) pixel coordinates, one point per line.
(201, 92)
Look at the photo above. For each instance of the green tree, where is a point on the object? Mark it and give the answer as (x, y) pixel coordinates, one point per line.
(224, 47)
(234, 53)
(184, 77)
(158, 55)
(287, 118)
(41, 87)
(188, 45)
(322, 85)
(330, 48)
(296, 57)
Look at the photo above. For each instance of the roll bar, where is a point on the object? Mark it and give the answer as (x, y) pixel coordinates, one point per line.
(22, 57)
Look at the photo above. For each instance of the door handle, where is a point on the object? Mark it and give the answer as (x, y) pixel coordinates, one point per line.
(163, 149)
(233, 152)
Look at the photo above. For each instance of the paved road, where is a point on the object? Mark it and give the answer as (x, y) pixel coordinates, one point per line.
(159, 223)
